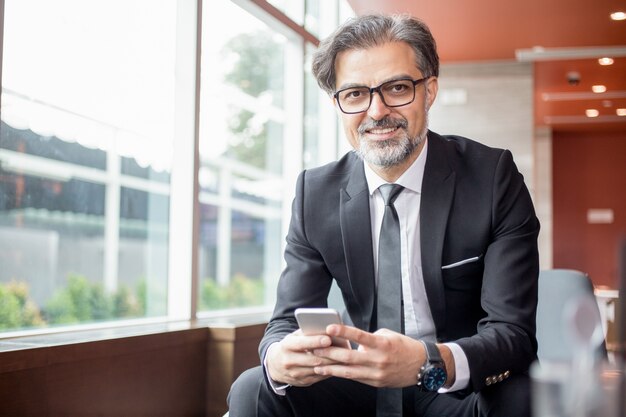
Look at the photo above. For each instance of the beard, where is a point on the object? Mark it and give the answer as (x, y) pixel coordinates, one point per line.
(390, 152)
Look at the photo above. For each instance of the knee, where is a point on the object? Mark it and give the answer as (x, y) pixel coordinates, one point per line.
(244, 391)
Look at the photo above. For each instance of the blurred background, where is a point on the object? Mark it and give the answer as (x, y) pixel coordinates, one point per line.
(146, 169)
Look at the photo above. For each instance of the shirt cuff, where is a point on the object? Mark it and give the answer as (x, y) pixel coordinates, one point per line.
(276, 387)
(461, 368)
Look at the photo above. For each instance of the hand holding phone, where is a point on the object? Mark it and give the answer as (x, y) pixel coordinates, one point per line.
(313, 321)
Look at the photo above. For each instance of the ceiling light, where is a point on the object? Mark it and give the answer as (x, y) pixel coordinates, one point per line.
(605, 61)
(552, 54)
(620, 112)
(618, 16)
(592, 113)
(598, 88)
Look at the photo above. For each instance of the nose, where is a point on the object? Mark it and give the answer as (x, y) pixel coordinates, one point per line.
(378, 109)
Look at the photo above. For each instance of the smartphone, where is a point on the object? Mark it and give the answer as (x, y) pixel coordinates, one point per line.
(313, 321)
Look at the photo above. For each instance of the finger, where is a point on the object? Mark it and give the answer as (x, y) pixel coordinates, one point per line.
(361, 374)
(300, 342)
(283, 359)
(352, 333)
(308, 360)
(335, 354)
(294, 375)
(306, 379)
(297, 368)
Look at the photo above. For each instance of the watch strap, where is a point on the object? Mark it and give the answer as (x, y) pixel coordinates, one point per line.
(432, 352)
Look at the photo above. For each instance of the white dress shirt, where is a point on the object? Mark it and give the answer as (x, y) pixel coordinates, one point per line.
(418, 320)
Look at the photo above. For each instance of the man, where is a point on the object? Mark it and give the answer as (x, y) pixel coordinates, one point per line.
(468, 262)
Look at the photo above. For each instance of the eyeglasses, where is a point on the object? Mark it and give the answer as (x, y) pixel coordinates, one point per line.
(395, 93)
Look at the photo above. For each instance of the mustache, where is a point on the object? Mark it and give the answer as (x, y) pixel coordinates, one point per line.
(386, 122)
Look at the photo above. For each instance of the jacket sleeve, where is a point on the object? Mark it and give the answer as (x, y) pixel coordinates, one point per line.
(505, 342)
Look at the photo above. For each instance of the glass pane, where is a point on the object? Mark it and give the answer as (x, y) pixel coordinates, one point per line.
(312, 16)
(143, 251)
(48, 237)
(85, 154)
(312, 103)
(292, 8)
(242, 124)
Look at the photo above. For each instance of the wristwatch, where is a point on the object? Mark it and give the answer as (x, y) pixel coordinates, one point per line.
(432, 375)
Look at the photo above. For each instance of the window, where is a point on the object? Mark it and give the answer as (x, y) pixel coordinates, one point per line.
(90, 101)
(85, 145)
(247, 90)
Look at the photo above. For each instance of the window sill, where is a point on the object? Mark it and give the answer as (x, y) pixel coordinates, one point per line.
(48, 337)
(168, 368)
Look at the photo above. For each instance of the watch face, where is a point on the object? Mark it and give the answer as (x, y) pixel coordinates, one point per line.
(434, 378)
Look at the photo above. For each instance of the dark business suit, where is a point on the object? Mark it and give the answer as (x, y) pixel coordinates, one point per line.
(474, 204)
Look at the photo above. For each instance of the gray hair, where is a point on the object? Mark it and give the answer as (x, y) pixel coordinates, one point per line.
(373, 30)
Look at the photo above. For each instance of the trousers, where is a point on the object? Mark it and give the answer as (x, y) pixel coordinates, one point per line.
(251, 396)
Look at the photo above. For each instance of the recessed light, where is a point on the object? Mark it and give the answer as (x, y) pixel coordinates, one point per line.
(592, 113)
(598, 88)
(618, 16)
(620, 112)
(605, 61)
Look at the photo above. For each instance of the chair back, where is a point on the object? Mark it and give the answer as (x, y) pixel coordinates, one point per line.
(565, 299)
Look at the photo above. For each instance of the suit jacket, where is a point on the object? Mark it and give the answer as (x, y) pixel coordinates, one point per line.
(474, 205)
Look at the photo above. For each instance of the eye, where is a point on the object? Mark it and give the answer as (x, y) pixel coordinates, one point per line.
(353, 94)
(397, 87)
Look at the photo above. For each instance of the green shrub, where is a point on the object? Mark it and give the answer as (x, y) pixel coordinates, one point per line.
(60, 309)
(85, 301)
(126, 304)
(100, 304)
(80, 290)
(9, 309)
(241, 291)
(152, 297)
(16, 308)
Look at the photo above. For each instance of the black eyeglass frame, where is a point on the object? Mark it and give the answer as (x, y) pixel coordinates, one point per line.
(377, 89)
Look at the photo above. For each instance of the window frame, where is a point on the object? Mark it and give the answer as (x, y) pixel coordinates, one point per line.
(182, 294)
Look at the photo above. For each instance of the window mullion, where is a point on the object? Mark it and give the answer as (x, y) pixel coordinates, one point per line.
(183, 236)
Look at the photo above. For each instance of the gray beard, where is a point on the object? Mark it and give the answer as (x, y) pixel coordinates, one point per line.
(390, 152)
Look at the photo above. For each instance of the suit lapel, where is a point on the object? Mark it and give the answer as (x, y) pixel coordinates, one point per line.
(354, 217)
(437, 195)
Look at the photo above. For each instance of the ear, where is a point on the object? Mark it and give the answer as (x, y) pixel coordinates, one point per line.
(432, 87)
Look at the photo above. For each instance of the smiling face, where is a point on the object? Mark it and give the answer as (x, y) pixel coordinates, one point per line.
(388, 138)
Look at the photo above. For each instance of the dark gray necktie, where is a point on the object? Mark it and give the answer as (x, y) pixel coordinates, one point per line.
(389, 300)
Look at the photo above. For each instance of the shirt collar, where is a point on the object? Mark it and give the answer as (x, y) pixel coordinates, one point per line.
(411, 178)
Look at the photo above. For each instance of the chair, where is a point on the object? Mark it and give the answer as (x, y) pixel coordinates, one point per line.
(567, 308)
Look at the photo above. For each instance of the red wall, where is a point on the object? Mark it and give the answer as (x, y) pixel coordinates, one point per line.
(589, 171)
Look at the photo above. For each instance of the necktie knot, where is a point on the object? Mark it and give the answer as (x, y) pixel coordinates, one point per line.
(390, 192)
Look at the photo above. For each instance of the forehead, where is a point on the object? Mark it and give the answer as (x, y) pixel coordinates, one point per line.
(375, 65)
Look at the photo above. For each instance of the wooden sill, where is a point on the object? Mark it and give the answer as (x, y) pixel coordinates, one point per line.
(182, 369)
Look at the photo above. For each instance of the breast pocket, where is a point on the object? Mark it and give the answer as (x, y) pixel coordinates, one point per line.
(464, 274)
